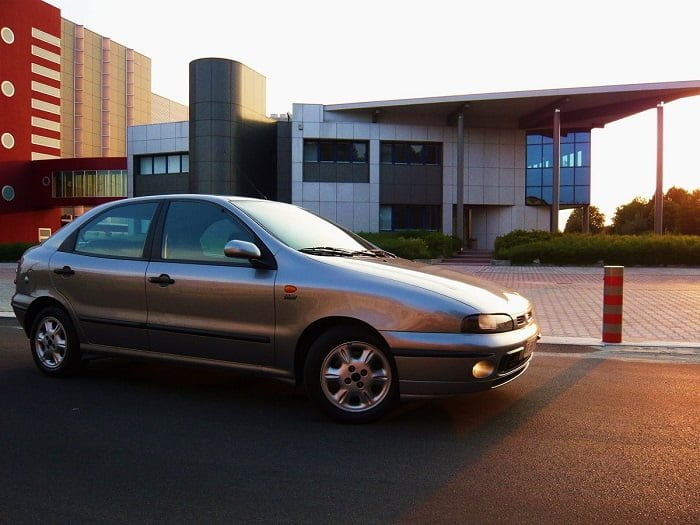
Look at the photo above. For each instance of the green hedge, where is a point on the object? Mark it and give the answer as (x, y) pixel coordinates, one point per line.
(414, 244)
(516, 238)
(626, 250)
(13, 251)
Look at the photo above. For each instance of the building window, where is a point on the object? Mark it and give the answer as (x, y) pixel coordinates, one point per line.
(8, 193)
(90, 183)
(7, 35)
(7, 140)
(575, 169)
(163, 164)
(409, 217)
(336, 151)
(7, 88)
(415, 153)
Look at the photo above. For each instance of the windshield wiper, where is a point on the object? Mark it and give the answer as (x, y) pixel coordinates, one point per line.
(327, 250)
(375, 252)
(342, 252)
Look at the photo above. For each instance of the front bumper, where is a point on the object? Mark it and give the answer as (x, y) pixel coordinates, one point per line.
(434, 364)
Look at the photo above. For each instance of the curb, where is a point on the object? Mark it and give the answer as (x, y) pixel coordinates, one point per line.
(594, 341)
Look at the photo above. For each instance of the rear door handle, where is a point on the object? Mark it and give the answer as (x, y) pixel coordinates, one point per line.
(163, 279)
(66, 270)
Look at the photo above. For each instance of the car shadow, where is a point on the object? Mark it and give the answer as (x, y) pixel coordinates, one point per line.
(211, 444)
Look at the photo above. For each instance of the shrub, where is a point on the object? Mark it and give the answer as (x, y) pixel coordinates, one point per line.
(626, 250)
(13, 251)
(415, 244)
(517, 238)
(408, 248)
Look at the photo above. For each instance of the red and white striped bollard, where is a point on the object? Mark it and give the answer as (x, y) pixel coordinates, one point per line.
(612, 304)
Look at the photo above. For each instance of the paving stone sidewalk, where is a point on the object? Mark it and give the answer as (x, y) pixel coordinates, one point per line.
(660, 304)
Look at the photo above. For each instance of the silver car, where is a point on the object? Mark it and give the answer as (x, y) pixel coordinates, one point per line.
(267, 287)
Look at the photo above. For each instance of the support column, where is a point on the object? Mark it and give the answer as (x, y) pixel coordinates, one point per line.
(659, 195)
(586, 225)
(556, 157)
(460, 177)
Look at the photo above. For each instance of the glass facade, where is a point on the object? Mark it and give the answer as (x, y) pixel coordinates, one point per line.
(89, 183)
(575, 169)
(162, 164)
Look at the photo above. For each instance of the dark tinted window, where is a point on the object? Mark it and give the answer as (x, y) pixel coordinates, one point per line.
(198, 232)
(339, 151)
(415, 153)
(386, 152)
(342, 151)
(326, 152)
(310, 151)
(431, 154)
(406, 217)
(119, 232)
(359, 152)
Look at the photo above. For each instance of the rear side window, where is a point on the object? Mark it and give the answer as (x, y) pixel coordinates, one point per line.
(198, 232)
(119, 232)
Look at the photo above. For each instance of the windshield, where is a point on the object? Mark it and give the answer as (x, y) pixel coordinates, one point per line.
(300, 229)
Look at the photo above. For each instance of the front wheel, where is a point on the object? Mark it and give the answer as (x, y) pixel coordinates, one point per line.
(54, 343)
(351, 375)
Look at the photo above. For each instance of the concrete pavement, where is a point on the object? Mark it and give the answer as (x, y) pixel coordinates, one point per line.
(661, 305)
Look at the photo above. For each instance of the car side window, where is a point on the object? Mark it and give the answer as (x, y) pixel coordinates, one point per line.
(118, 232)
(198, 232)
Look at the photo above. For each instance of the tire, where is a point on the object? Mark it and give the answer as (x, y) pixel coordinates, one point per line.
(54, 343)
(351, 376)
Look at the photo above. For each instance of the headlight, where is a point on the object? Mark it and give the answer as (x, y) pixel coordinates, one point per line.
(487, 324)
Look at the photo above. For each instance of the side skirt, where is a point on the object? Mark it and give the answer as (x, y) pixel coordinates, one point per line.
(214, 363)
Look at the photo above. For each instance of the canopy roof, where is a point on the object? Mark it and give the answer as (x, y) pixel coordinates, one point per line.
(581, 108)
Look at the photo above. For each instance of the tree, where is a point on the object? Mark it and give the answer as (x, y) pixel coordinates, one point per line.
(637, 216)
(681, 211)
(575, 222)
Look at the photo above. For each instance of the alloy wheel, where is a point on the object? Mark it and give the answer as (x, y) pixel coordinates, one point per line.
(355, 376)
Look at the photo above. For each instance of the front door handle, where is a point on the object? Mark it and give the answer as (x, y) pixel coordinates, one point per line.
(163, 279)
(66, 270)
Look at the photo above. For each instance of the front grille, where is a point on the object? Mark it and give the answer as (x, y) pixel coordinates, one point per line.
(523, 319)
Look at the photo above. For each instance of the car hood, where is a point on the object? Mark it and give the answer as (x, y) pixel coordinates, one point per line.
(481, 295)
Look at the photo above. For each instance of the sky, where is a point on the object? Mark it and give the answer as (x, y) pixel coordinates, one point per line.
(331, 52)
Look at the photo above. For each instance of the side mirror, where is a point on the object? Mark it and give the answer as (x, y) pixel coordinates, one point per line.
(242, 250)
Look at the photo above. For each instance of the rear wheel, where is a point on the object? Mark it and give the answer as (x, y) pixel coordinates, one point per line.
(54, 343)
(351, 375)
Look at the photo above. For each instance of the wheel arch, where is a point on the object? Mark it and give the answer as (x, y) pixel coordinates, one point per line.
(37, 306)
(320, 326)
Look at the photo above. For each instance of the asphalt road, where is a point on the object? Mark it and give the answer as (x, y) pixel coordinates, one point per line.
(574, 440)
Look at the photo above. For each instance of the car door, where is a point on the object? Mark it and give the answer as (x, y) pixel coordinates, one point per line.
(202, 303)
(101, 274)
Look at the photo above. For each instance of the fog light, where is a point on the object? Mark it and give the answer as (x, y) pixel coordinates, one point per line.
(483, 369)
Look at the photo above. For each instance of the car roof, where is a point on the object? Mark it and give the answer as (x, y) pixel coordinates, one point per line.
(198, 196)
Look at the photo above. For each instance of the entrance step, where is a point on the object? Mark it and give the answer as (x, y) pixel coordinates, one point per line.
(471, 258)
